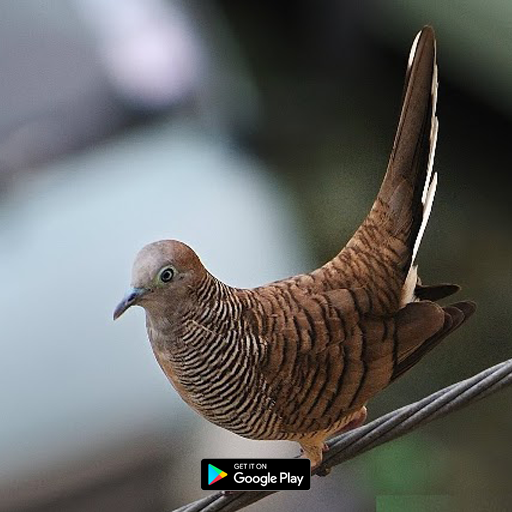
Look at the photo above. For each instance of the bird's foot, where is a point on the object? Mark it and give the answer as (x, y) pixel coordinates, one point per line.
(324, 471)
(313, 449)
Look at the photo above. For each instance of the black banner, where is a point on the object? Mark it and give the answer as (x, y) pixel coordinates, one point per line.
(255, 474)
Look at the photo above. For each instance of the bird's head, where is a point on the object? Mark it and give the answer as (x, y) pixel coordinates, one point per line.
(163, 274)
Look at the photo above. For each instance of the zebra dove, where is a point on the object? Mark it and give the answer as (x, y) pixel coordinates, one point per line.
(298, 359)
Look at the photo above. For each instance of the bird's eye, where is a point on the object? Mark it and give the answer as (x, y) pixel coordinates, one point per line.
(166, 274)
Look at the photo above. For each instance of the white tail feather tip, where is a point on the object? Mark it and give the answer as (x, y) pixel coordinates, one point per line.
(412, 53)
(427, 208)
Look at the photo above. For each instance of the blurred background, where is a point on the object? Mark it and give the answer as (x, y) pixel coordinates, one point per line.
(257, 132)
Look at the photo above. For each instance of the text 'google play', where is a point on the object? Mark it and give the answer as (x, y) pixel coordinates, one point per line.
(255, 474)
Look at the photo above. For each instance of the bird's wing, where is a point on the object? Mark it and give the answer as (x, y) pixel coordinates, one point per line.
(326, 356)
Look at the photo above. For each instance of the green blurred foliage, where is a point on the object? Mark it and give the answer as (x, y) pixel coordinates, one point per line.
(416, 464)
(416, 503)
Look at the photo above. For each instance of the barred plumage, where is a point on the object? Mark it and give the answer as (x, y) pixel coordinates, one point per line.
(299, 359)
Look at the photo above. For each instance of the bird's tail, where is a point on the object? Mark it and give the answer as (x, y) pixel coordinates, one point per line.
(408, 189)
(380, 255)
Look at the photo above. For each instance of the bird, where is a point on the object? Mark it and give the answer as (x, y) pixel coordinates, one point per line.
(299, 359)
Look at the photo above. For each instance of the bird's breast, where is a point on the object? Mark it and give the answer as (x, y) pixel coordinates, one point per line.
(172, 373)
(217, 377)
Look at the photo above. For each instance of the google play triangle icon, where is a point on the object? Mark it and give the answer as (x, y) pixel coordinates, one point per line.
(215, 474)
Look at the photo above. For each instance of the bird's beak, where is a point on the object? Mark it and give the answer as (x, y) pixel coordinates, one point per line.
(129, 300)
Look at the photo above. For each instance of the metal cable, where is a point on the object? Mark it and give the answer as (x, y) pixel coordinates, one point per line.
(386, 428)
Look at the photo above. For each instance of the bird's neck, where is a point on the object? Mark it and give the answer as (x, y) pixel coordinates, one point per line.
(211, 292)
(208, 313)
